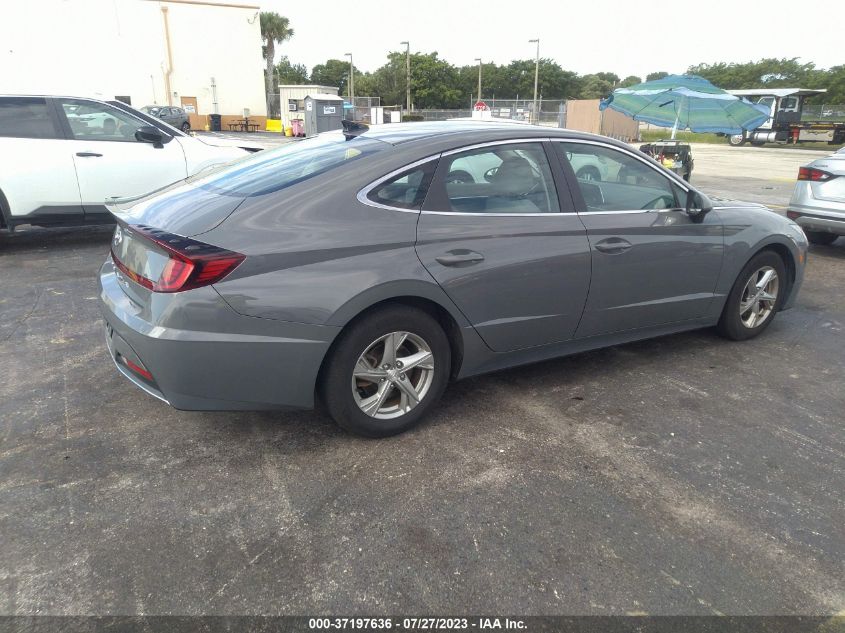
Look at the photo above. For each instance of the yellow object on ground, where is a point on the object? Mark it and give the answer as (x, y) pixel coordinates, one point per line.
(288, 130)
(274, 125)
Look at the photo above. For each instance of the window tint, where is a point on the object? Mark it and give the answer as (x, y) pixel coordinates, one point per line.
(611, 180)
(26, 117)
(405, 191)
(272, 170)
(92, 121)
(500, 179)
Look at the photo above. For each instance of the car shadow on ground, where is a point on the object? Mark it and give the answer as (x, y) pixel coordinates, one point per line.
(569, 378)
(836, 250)
(35, 238)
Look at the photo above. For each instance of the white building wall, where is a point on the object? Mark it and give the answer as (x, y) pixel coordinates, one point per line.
(106, 48)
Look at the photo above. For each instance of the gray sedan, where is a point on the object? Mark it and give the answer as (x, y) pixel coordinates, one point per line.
(355, 268)
(818, 200)
(174, 116)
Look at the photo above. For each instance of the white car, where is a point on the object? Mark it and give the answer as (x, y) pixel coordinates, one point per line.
(61, 157)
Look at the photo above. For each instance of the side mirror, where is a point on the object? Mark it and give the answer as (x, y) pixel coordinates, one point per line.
(149, 134)
(698, 205)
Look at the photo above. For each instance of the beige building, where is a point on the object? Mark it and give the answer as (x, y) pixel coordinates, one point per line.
(203, 55)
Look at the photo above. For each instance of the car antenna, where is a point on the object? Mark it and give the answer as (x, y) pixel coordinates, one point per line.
(351, 129)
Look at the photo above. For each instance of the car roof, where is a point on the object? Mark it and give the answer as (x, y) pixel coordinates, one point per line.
(477, 131)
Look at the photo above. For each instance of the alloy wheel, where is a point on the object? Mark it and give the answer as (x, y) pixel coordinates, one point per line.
(393, 375)
(759, 297)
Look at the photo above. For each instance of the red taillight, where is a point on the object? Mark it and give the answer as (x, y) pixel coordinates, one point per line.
(164, 262)
(813, 174)
(793, 215)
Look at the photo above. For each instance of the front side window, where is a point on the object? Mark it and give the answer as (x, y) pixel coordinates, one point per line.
(274, 169)
(26, 117)
(405, 191)
(612, 180)
(92, 121)
(513, 178)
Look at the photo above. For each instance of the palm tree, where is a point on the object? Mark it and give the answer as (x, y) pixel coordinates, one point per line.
(275, 29)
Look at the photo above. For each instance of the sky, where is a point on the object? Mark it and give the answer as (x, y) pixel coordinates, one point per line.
(633, 37)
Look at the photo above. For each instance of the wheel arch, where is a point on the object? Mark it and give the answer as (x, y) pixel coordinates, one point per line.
(448, 317)
(788, 258)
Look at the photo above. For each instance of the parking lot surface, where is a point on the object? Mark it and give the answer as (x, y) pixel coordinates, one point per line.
(683, 475)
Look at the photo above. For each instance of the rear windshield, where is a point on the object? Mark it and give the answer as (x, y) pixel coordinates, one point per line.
(272, 170)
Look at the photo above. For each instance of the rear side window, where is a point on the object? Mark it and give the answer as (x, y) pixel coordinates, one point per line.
(500, 179)
(292, 163)
(405, 191)
(26, 117)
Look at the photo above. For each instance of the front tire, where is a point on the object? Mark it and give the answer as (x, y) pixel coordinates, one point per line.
(186, 127)
(820, 238)
(387, 372)
(737, 140)
(755, 298)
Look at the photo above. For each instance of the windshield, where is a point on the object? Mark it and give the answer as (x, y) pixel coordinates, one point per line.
(293, 162)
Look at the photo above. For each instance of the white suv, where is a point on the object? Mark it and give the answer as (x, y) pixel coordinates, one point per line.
(61, 157)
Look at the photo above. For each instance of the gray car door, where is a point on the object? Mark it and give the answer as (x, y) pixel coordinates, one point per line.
(493, 234)
(651, 263)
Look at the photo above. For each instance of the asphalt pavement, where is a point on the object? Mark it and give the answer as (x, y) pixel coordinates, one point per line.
(682, 475)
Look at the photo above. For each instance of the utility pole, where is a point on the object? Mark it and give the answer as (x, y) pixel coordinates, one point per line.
(351, 84)
(478, 59)
(536, 78)
(407, 76)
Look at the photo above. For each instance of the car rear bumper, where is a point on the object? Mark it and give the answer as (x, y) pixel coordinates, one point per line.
(815, 219)
(233, 363)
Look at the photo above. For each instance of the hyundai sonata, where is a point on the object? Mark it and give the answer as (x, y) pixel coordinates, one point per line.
(352, 268)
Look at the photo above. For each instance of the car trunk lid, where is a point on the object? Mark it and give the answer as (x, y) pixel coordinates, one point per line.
(181, 208)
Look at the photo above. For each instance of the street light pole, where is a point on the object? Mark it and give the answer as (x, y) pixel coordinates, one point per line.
(478, 59)
(351, 83)
(407, 76)
(536, 78)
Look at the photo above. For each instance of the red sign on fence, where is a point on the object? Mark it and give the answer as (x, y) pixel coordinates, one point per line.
(481, 106)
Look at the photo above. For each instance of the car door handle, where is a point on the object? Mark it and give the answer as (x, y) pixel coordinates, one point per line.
(89, 154)
(613, 245)
(459, 258)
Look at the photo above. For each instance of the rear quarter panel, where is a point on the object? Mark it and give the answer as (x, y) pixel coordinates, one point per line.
(317, 255)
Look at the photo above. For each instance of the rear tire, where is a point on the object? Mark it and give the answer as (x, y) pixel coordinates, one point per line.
(745, 316)
(355, 376)
(821, 238)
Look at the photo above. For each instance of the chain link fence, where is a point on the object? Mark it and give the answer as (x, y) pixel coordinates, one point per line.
(551, 112)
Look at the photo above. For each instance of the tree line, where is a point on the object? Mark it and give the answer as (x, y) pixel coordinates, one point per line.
(435, 83)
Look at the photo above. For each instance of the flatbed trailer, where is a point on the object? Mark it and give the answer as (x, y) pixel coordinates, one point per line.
(784, 124)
